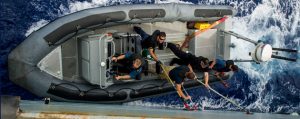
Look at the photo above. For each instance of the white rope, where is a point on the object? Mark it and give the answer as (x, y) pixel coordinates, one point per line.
(234, 103)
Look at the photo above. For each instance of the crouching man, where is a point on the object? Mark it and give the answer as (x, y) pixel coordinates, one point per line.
(129, 63)
(178, 75)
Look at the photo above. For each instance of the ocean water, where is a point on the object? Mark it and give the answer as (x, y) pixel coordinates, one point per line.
(273, 86)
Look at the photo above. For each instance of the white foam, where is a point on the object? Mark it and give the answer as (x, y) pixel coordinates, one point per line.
(255, 26)
(77, 6)
(153, 105)
(36, 26)
(294, 114)
(172, 1)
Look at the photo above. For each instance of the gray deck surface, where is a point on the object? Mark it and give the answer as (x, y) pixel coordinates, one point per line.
(37, 109)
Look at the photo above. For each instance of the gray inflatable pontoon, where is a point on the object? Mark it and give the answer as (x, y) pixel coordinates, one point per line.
(68, 58)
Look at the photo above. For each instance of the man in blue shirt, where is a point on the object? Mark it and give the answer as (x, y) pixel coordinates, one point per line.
(222, 66)
(129, 63)
(178, 74)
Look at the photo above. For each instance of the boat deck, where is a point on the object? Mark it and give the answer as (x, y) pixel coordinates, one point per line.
(37, 109)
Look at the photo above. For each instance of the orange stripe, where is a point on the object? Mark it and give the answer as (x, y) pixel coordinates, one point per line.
(203, 30)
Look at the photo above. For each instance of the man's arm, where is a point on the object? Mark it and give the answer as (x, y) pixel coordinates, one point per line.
(206, 76)
(191, 68)
(115, 59)
(178, 88)
(217, 74)
(153, 55)
(212, 64)
(123, 77)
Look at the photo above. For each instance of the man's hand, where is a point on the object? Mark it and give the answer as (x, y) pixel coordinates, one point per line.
(153, 55)
(118, 77)
(206, 85)
(187, 97)
(114, 59)
(222, 74)
(226, 85)
(159, 62)
(212, 64)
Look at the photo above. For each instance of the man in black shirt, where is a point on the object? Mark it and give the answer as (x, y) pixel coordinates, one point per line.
(178, 74)
(199, 64)
(151, 42)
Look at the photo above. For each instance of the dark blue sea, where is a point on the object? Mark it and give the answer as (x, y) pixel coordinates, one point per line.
(268, 87)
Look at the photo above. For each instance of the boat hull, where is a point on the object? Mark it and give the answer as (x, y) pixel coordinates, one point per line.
(23, 60)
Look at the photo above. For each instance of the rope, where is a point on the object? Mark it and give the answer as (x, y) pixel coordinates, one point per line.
(233, 102)
(169, 79)
(222, 81)
(187, 93)
(189, 107)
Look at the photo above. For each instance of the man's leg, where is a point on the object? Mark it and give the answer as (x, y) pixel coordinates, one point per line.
(141, 32)
(180, 54)
(178, 61)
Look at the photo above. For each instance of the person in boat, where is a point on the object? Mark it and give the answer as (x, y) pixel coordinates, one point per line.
(221, 66)
(129, 63)
(198, 64)
(178, 75)
(150, 42)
